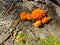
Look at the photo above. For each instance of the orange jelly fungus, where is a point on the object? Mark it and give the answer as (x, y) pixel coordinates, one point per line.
(23, 16)
(28, 16)
(38, 23)
(38, 14)
(46, 20)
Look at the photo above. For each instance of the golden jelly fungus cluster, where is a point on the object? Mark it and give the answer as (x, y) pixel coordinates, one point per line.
(38, 14)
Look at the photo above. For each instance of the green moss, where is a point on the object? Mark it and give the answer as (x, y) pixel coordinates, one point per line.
(19, 36)
(51, 40)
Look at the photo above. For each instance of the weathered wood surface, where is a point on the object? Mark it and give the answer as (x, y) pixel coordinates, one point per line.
(26, 26)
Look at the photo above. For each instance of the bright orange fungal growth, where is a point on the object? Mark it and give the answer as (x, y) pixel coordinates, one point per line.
(29, 17)
(38, 14)
(46, 20)
(23, 15)
(38, 23)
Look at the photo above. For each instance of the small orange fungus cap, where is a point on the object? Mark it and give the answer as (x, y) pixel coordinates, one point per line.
(29, 17)
(46, 20)
(23, 16)
(38, 23)
(38, 14)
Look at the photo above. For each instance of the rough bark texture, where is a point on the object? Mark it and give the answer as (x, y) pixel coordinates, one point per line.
(27, 27)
